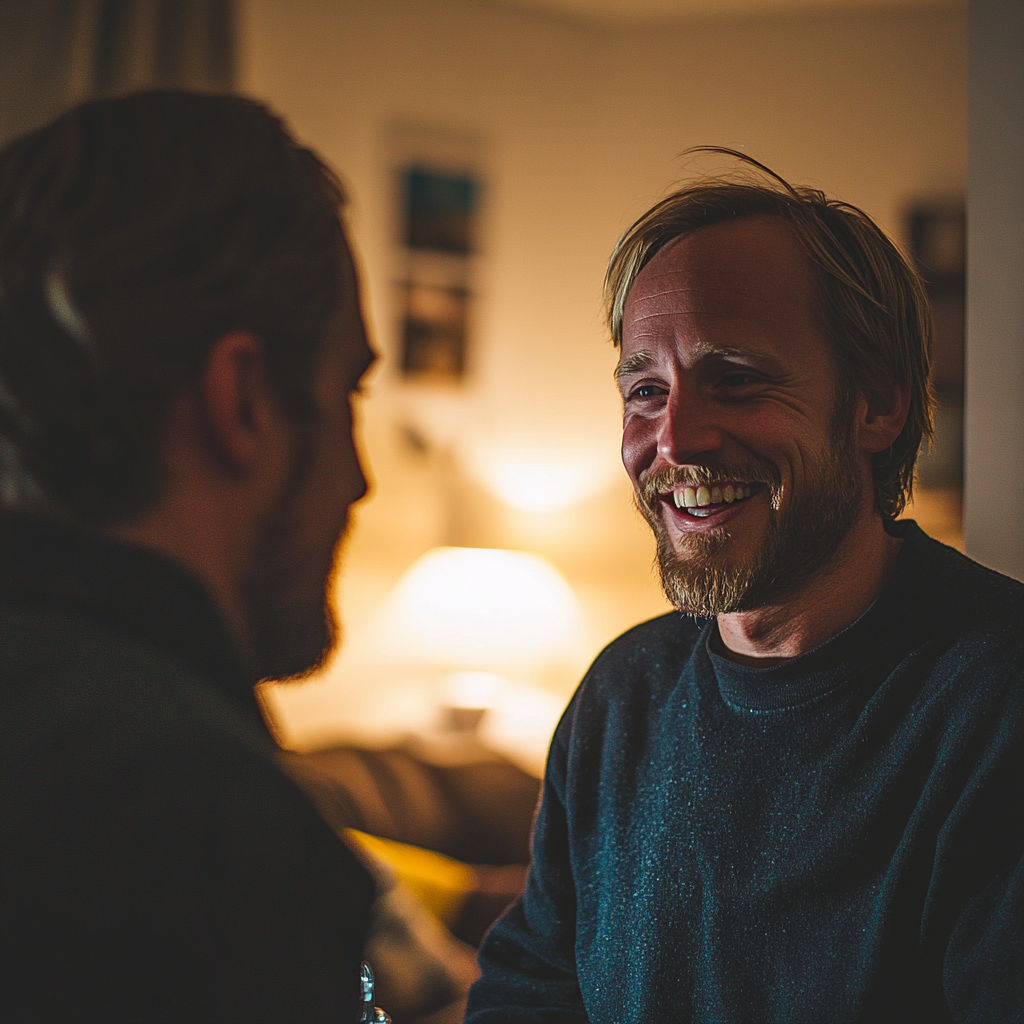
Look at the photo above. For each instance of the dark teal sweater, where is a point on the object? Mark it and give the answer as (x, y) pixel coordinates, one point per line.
(838, 838)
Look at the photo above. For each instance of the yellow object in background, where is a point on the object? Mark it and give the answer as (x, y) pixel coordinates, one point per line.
(440, 883)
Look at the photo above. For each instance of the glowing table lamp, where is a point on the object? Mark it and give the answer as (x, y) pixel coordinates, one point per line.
(483, 609)
(476, 617)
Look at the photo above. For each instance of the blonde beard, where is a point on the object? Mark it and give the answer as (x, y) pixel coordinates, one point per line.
(800, 539)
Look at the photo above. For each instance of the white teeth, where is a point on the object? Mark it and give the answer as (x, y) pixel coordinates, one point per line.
(685, 498)
(695, 498)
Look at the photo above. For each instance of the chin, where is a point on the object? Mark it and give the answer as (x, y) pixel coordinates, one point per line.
(292, 649)
(292, 623)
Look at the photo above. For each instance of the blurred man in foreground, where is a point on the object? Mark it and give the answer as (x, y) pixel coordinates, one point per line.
(800, 800)
(180, 340)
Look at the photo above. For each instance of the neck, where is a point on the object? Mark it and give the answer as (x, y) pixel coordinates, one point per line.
(825, 606)
(193, 545)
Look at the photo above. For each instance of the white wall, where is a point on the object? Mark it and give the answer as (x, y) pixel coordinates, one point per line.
(584, 127)
(994, 435)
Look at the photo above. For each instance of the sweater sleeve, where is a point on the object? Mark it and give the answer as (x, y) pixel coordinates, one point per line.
(528, 958)
(983, 970)
(984, 976)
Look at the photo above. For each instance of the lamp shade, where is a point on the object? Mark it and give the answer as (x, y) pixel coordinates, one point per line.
(482, 609)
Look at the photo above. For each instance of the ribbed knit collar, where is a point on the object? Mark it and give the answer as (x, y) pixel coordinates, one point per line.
(127, 589)
(836, 662)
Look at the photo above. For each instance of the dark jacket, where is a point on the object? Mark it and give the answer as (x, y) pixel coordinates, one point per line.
(155, 864)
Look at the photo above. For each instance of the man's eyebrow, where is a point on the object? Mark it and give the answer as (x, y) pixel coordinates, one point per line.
(634, 364)
(707, 350)
(644, 360)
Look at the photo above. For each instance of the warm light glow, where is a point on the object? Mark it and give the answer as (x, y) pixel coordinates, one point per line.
(535, 478)
(472, 689)
(482, 609)
(520, 725)
(534, 486)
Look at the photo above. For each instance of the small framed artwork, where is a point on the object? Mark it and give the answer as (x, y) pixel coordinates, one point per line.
(440, 210)
(438, 191)
(434, 331)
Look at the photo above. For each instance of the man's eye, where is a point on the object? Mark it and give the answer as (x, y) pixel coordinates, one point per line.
(739, 380)
(647, 391)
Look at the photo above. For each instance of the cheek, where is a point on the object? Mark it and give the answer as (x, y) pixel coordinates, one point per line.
(336, 465)
(639, 445)
(794, 446)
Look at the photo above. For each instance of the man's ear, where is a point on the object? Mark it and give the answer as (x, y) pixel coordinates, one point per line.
(881, 414)
(239, 407)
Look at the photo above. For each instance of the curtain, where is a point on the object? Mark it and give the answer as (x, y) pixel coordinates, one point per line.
(56, 52)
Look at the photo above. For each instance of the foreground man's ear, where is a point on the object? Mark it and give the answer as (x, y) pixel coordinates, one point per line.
(238, 404)
(881, 415)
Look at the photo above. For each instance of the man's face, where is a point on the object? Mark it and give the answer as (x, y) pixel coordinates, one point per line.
(737, 439)
(293, 623)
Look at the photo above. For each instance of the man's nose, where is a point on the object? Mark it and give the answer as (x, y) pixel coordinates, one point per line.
(689, 428)
(363, 482)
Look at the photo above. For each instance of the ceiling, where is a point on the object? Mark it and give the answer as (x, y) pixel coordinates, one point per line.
(625, 11)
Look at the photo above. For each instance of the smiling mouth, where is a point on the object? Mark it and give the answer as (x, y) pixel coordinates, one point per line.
(707, 499)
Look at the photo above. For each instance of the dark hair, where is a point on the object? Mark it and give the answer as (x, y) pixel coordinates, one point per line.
(133, 233)
(871, 301)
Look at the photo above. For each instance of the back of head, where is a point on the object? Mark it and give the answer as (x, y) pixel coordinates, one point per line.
(133, 233)
(871, 303)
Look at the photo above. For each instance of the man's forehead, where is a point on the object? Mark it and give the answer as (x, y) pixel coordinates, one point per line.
(728, 248)
(749, 269)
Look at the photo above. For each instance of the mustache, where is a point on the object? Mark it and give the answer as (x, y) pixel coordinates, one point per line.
(668, 478)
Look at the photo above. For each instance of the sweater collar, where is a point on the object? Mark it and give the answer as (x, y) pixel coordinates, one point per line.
(127, 589)
(843, 657)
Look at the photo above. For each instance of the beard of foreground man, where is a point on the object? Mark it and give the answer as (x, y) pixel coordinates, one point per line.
(799, 801)
(181, 342)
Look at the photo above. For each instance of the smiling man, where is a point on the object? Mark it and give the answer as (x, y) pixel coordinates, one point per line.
(800, 800)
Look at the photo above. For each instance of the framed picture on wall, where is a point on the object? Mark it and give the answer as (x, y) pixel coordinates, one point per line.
(440, 210)
(438, 188)
(434, 330)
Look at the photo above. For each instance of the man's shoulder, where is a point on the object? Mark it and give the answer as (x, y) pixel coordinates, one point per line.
(958, 627)
(64, 673)
(642, 664)
(126, 775)
(957, 593)
(98, 721)
(657, 644)
(90, 714)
